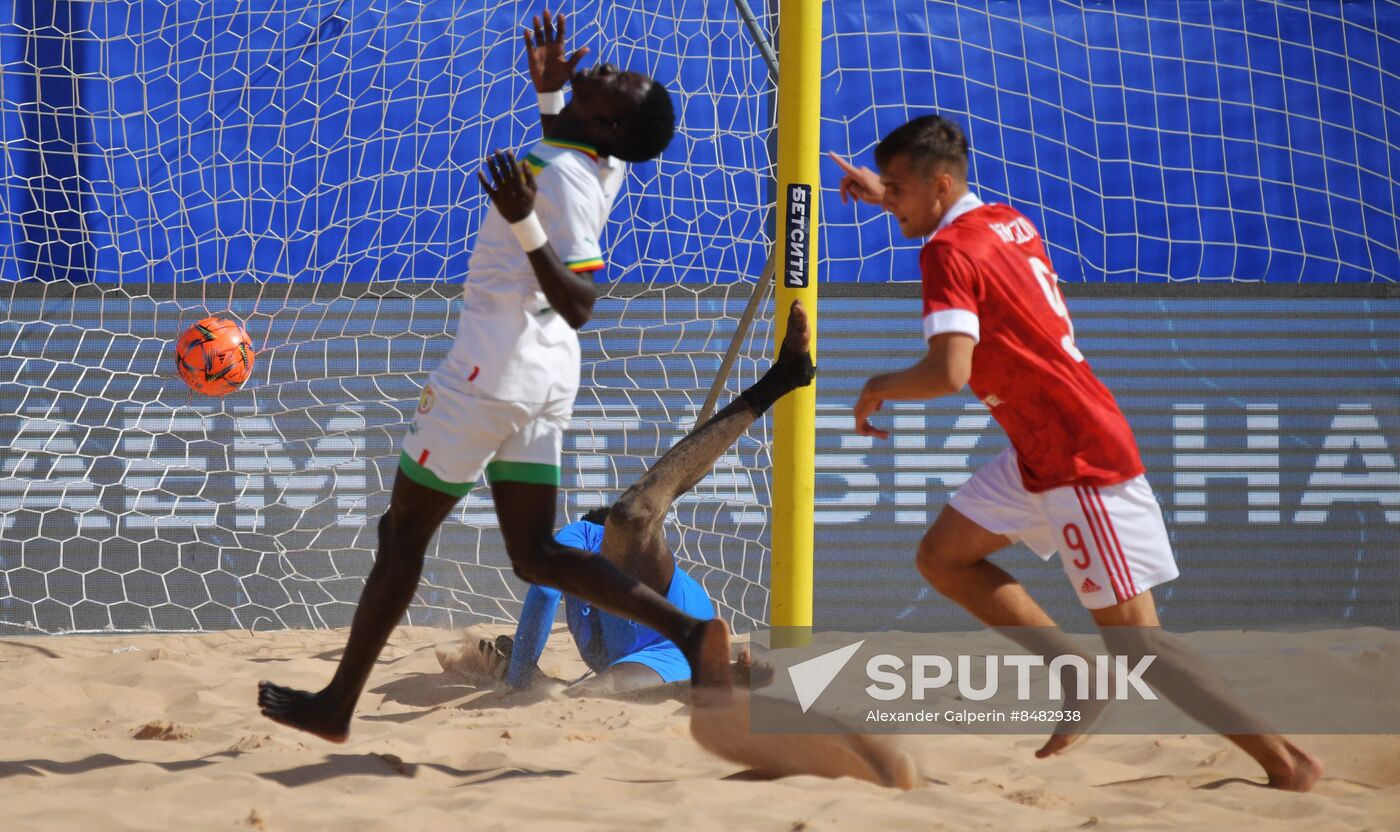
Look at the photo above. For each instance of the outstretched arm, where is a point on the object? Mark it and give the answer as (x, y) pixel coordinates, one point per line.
(531, 634)
(512, 190)
(541, 603)
(550, 68)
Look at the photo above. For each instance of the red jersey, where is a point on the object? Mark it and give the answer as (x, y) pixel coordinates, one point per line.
(986, 274)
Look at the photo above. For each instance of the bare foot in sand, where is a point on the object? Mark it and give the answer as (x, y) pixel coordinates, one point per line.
(707, 650)
(724, 731)
(1068, 734)
(309, 712)
(719, 721)
(751, 674)
(1298, 774)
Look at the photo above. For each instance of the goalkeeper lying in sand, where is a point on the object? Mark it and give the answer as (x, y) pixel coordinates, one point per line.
(624, 657)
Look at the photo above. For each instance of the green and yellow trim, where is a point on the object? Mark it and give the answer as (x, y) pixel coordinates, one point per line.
(586, 149)
(428, 479)
(535, 164)
(534, 473)
(592, 264)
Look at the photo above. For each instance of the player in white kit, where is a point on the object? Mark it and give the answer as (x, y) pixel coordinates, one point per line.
(502, 399)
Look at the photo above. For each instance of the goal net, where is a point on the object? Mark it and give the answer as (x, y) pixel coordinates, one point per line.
(1150, 142)
(310, 169)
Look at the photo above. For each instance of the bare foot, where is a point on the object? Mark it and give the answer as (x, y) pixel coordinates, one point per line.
(481, 662)
(792, 369)
(795, 354)
(749, 673)
(1300, 774)
(301, 710)
(798, 338)
(724, 731)
(707, 650)
(1068, 733)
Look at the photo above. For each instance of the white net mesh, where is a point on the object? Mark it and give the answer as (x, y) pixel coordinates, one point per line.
(310, 169)
(1149, 142)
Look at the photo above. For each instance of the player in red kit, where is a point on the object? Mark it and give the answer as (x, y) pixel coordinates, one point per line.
(1072, 480)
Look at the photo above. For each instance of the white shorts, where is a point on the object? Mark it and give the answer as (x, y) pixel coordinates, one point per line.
(458, 432)
(1112, 541)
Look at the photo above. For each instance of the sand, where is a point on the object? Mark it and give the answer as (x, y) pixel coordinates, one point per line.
(160, 732)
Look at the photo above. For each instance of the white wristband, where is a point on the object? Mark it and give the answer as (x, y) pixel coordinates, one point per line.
(551, 103)
(530, 233)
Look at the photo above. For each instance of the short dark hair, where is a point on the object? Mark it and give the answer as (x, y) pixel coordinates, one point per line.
(651, 128)
(598, 516)
(926, 140)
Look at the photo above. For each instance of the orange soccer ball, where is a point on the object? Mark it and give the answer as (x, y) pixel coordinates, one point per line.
(215, 356)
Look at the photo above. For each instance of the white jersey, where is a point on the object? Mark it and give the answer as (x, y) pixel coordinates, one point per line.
(510, 344)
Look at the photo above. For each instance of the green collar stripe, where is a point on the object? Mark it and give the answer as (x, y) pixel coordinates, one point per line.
(589, 150)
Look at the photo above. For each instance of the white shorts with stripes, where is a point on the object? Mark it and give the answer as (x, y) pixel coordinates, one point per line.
(1111, 539)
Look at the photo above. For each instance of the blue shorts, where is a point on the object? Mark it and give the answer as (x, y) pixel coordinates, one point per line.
(604, 639)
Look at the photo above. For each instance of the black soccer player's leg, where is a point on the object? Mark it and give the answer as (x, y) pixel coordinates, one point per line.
(623, 677)
(414, 515)
(525, 513)
(634, 539)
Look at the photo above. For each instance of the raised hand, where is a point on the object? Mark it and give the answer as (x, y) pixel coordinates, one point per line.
(858, 183)
(550, 70)
(511, 186)
(495, 655)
